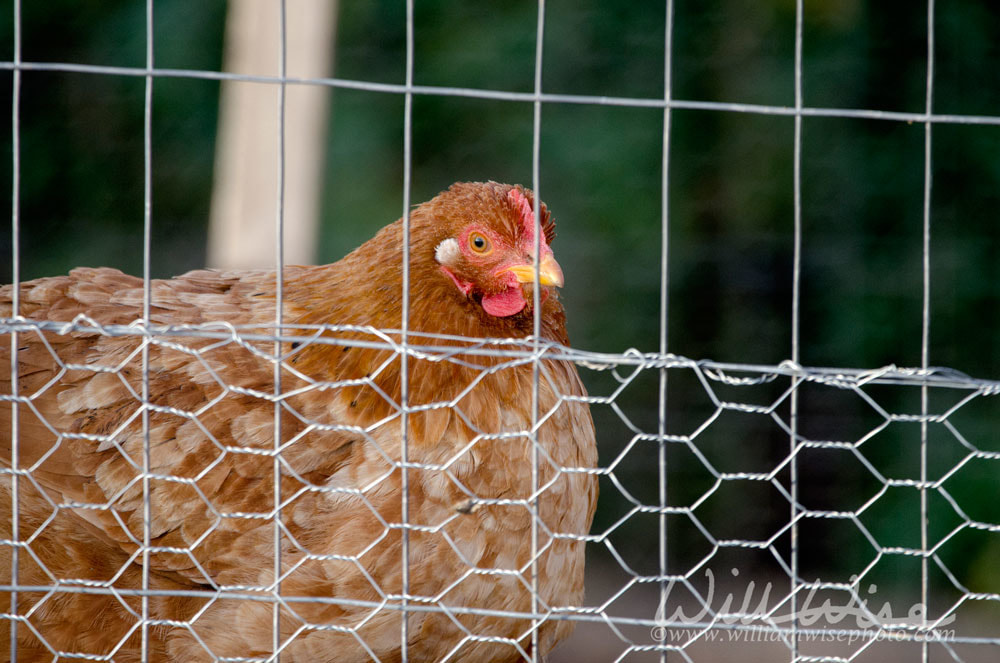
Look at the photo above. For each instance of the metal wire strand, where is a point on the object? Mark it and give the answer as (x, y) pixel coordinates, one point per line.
(726, 387)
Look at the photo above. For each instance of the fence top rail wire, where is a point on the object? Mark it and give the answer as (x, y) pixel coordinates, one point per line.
(503, 95)
(449, 346)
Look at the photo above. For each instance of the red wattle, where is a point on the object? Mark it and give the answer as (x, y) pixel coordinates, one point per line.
(508, 302)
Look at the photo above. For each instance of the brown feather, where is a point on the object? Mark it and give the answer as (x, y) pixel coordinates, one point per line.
(211, 433)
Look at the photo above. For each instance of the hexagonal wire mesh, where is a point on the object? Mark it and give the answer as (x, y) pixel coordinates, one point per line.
(836, 422)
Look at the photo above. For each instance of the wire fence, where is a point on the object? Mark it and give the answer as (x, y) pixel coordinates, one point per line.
(699, 608)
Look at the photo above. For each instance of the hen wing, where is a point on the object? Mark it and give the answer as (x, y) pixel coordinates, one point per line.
(211, 423)
(211, 494)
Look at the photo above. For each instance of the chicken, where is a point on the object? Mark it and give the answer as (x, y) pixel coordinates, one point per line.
(221, 426)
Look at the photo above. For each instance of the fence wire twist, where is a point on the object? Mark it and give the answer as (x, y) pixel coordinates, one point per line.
(687, 622)
(667, 626)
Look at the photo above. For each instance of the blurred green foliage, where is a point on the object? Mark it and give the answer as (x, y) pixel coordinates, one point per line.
(730, 213)
(82, 135)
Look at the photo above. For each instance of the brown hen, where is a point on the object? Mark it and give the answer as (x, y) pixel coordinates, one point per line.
(220, 427)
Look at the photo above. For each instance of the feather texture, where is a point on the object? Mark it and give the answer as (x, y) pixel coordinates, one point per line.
(211, 435)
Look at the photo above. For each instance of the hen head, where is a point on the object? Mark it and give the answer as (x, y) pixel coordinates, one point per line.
(487, 245)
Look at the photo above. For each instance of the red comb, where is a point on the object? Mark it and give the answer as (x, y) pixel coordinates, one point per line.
(523, 205)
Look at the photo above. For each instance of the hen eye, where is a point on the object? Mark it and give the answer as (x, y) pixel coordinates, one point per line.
(479, 243)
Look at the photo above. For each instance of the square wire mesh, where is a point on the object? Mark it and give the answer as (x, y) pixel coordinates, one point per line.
(682, 612)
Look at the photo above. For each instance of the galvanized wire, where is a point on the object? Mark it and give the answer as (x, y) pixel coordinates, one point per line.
(625, 366)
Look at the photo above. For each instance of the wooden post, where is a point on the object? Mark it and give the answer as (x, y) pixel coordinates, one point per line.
(244, 200)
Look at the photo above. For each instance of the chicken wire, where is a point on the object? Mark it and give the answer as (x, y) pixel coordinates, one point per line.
(656, 623)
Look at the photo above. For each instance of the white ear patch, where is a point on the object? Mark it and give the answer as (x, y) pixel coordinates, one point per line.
(448, 252)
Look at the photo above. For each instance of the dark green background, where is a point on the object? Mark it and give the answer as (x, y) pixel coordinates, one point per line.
(731, 216)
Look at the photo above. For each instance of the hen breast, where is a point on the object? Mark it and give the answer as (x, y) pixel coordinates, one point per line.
(215, 514)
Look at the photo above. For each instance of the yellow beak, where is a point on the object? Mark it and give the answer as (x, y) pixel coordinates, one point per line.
(549, 272)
